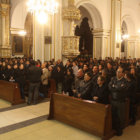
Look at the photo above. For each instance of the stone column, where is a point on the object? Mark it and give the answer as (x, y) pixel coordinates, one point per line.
(5, 49)
(101, 43)
(133, 47)
(116, 12)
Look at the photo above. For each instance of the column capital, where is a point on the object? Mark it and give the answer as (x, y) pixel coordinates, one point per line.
(4, 9)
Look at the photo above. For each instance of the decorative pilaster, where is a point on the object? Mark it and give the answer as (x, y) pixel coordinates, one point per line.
(133, 47)
(5, 50)
(101, 41)
(116, 12)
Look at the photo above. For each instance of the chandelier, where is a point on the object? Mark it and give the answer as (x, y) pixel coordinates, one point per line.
(42, 8)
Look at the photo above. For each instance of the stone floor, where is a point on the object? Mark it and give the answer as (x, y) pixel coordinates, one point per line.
(4, 104)
(30, 123)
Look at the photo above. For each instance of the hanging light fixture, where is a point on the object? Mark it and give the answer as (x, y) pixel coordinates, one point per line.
(42, 8)
(125, 36)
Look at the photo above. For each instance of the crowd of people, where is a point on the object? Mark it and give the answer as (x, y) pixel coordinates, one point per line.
(105, 81)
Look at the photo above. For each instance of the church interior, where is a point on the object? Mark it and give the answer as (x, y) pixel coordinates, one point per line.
(69, 69)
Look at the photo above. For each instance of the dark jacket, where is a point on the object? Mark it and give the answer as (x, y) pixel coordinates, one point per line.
(59, 76)
(67, 83)
(102, 93)
(34, 74)
(118, 89)
(21, 76)
(131, 91)
(85, 90)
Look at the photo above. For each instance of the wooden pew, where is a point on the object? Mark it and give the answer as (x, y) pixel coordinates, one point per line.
(52, 88)
(88, 116)
(10, 92)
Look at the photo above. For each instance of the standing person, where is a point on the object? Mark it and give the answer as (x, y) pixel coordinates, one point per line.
(131, 93)
(75, 68)
(117, 87)
(68, 81)
(20, 78)
(44, 80)
(100, 92)
(59, 77)
(34, 75)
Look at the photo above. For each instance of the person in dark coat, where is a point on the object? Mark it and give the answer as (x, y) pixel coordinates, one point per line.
(84, 91)
(34, 75)
(67, 66)
(110, 70)
(100, 92)
(59, 77)
(15, 72)
(68, 81)
(21, 79)
(131, 93)
(118, 87)
(9, 73)
(95, 72)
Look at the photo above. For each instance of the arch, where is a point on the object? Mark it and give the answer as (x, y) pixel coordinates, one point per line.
(93, 11)
(19, 10)
(130, 24)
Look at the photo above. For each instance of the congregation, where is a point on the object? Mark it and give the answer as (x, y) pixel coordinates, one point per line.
(104, 81)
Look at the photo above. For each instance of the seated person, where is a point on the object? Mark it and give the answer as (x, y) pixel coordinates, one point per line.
(84, 90)
(100, 91)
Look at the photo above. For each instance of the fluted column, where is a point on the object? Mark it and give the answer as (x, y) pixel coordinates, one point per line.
(5, 49)
(116, 12)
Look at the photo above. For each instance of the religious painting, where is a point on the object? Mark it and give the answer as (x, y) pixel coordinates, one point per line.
(17, 44)
(48, 40)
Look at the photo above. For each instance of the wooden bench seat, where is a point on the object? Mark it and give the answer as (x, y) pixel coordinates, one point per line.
(10, 92)
(89, 116)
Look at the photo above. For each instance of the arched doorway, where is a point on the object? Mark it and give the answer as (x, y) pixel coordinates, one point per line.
(129, 43)
(124, 40)
(84, 29)
(95, 23)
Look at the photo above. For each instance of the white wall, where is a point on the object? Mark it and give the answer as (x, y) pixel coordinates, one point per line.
(99, 10)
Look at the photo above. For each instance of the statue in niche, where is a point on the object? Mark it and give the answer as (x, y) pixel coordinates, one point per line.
(86, 37)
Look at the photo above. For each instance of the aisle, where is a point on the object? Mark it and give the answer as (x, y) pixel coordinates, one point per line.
(22, 116)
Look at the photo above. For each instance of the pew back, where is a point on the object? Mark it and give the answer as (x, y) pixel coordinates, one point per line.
(91, 117)
(10, 92)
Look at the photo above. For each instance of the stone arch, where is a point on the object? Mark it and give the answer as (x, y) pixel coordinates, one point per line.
(19, 10)
(129, 23)
(97, 22)
(93, 11)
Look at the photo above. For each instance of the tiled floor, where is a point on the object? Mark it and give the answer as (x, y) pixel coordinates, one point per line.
(54, 130)
(4, 104)
(22, 114)
(49, 129)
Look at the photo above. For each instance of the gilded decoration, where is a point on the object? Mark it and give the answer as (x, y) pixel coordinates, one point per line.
(70, 44)
(4, 9)
(71, 13)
